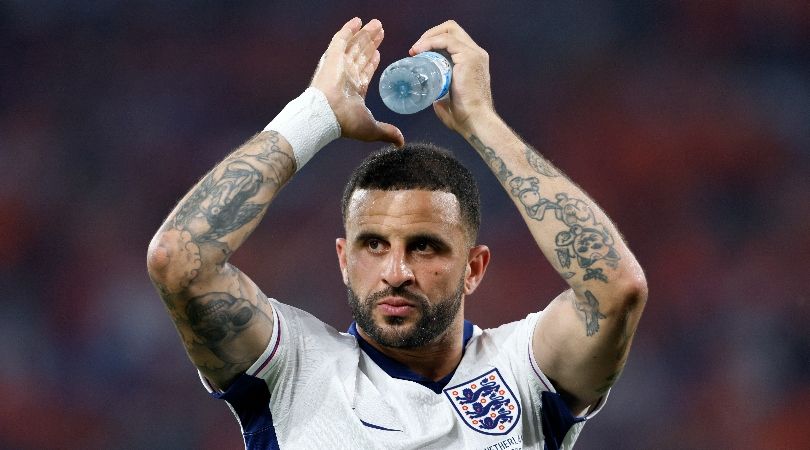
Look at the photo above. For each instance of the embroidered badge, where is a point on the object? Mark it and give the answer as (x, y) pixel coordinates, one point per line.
(486, 403)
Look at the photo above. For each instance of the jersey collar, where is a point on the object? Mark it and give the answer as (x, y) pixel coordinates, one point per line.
(398, 370)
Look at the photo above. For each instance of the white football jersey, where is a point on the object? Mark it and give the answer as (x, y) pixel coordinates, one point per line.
(317, 388)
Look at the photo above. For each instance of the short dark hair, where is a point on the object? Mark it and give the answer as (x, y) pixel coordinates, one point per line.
(418, 166)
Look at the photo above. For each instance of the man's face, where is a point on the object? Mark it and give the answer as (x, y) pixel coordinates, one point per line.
(406, 264)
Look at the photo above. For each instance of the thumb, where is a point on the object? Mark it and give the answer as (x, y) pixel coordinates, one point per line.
(389, 133)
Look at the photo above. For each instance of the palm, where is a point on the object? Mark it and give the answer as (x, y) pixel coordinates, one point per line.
(344, 74)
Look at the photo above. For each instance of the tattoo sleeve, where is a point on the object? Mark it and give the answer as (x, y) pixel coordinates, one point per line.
(217, 319)
(222, 208)
(586, 333)
(221, 211)
(214, 306)
(539, 164)
(581, 239)
(495, 163)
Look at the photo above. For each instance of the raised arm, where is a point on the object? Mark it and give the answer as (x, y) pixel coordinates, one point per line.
(224, 320)
(583, 337)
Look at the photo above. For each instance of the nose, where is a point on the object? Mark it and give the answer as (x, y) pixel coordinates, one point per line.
(396, 271)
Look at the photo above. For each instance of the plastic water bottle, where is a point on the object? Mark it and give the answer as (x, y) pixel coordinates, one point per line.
(412, 84)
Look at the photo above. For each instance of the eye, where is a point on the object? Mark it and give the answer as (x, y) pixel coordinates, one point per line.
(423, 247)
(375, 245)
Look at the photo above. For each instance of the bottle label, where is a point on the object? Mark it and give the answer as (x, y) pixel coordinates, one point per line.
(444, 67)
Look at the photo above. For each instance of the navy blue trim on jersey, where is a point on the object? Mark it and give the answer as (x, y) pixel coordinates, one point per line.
(250, 399)
(556, 419)
(376, 427)
(398, 370)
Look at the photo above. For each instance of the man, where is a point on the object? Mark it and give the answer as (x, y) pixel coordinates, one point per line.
(411, 373)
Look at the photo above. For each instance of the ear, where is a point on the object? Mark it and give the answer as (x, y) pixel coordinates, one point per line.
(340, 248)
(477, 262)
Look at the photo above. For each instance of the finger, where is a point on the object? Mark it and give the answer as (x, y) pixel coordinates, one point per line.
(442, 41)
(450, 27)
(373, 25)
(342, 37)
(368, 72)
(366, 41)
(389, 133)
(353, 24)
(378, 38)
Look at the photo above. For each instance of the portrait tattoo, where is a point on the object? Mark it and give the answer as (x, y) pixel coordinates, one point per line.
(217, 318)
(223, 203)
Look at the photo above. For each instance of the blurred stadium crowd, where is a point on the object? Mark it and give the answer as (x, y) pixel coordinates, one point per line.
(688, 121)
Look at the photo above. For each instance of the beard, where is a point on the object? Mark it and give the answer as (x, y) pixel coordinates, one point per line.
(434, 320)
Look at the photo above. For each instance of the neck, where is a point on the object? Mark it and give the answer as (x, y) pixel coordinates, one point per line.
(435, 360)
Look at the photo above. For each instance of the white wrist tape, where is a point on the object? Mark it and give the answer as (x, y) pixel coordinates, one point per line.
(307, 123)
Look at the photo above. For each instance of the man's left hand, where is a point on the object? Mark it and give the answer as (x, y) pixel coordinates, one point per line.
(343, 75)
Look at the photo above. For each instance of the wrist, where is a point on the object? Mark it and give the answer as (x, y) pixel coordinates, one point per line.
(307, 123)
(479, 122)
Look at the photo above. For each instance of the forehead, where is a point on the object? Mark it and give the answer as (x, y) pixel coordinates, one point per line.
(403, 208)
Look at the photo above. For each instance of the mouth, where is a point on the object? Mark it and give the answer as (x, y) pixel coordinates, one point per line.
(396, 306)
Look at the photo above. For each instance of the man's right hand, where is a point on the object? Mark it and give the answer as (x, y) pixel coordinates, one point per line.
(344, 74)
(470, 97)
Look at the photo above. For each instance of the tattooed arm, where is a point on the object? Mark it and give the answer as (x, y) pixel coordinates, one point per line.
(224, 320)
(583, 337)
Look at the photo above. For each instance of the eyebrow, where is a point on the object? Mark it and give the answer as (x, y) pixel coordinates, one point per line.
(366, 235)
(439, 242)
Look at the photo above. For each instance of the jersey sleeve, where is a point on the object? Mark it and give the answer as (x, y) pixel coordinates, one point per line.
(262, 395)
(560, 426)
(271, 353)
